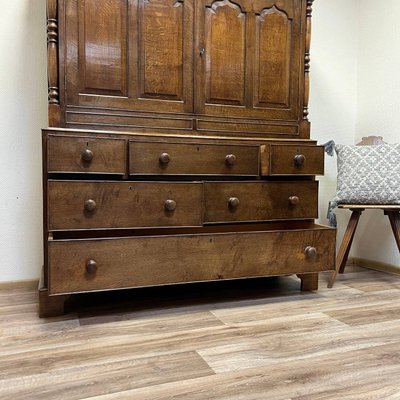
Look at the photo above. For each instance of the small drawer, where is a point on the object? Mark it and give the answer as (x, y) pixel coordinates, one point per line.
(101, 264)
(292, 160)
(106, 205)
(260, 201)
(86, 155)
(155, 158)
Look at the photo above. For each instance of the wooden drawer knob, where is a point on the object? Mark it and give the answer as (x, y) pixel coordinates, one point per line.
(87, 155)
(164, 158)
(170, 205)
(299, 160)
(230, 159)
(90, 205)
(233, 203)
(91, 266)
(310, 252)
(294, 200)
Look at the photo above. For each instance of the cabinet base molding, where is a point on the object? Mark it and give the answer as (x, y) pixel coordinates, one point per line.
(56, 305)
(50, 306)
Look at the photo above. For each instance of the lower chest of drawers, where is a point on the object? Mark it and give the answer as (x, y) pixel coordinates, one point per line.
(125, 213)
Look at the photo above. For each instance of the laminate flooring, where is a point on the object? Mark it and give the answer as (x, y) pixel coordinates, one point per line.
(258, 339)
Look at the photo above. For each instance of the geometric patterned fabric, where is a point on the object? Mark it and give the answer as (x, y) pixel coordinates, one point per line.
(367, 175)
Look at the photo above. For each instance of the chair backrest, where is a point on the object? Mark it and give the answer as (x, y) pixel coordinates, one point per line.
(371, 140)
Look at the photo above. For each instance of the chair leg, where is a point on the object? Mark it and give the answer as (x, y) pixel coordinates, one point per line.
(394, 218)
(344, 250)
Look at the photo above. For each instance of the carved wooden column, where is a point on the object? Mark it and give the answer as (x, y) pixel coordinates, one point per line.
(305, 125)
(52, 63)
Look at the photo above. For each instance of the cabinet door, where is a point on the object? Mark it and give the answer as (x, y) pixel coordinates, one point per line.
(130, 54)
(250, 58)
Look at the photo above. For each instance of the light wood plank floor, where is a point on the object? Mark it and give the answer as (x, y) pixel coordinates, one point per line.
(250, 340)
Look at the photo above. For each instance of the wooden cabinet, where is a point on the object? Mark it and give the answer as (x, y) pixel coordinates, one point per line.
(250, 58)
(129, 54)
(192, 65)
(179, 146)
(247, 56)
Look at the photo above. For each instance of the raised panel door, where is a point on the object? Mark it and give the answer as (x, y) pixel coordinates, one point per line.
(130, 54)
(250, 58)
(225, 54)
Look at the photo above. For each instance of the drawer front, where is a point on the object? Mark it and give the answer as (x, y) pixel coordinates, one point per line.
(86, 155)
(292, 160)
(154, 158)
(86, 265)
(260, 201)
(101, 205)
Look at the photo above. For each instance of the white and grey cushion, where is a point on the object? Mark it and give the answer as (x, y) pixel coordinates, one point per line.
(366, 175)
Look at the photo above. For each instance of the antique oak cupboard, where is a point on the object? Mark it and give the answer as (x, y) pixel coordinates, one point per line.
(179, 146)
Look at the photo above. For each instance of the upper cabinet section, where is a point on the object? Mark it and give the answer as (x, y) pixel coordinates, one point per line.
(250, 53)
(130, 54)
(222, 67)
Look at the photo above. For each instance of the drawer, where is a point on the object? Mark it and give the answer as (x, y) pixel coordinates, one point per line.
(86, 155)
(155, 158)
(292, 160)
(260, 201)
(104, 205)
(100, 264)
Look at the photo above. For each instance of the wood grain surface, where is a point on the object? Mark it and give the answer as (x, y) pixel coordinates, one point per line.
(192, 159)
(284, 160)
(213, 66)
(260, 201)
(91, 204)
(158, 260)
(66, 154)
(248, 340)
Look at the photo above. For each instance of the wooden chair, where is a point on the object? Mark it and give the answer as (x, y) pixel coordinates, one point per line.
(392, 211)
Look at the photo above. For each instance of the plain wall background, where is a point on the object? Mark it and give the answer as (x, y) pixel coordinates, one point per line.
(378, 112)
(355, 89)
(23, 112)
(333, 95)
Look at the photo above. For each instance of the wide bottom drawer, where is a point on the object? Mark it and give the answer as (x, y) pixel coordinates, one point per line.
(113, 263)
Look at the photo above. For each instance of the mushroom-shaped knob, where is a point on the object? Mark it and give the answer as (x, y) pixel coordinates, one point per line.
(87, 155)
(170, 205)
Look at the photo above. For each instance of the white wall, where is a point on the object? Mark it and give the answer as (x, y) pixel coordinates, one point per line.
(338, 33)
(333, 96)
(378, 111)
(23, 112)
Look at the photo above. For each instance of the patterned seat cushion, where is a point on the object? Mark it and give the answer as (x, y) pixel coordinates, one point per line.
(367, 175)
